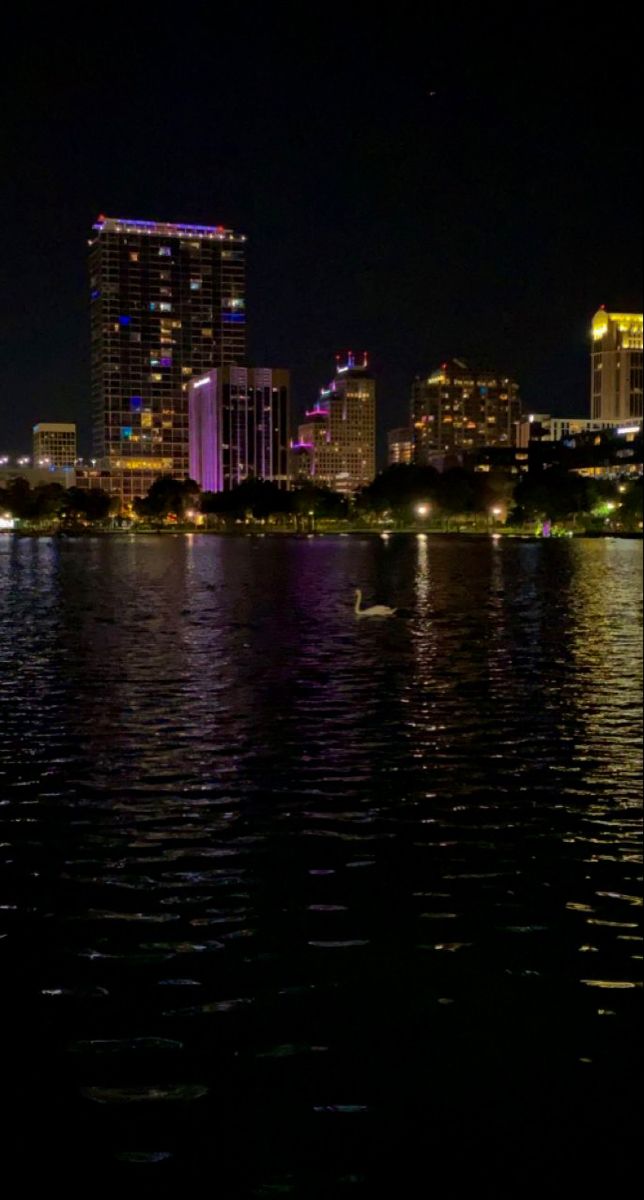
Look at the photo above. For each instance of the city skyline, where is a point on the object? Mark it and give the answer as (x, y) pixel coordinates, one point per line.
(379, 212)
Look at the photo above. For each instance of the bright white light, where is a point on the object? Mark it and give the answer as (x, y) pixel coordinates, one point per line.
(422, 510)
(201, 382)
(624, 429)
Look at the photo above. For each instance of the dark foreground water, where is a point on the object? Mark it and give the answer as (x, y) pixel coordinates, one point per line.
(292, 904)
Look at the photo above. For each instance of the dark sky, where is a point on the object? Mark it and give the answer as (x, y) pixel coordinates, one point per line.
(416, 187)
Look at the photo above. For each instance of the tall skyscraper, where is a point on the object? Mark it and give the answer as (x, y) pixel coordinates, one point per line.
(167, 303)
(457, 409)
(239, 427)
(338, 436)
(54, 444)
(616, 366)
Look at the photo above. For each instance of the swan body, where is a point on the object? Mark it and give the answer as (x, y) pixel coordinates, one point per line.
(377, 610)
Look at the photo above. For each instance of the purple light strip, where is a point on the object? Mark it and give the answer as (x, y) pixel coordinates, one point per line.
(161, 226)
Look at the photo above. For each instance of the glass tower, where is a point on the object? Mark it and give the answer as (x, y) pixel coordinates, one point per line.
(167, 303)
(616, 367)
(239, 427)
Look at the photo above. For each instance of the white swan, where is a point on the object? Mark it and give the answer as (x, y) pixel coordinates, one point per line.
(378, 610)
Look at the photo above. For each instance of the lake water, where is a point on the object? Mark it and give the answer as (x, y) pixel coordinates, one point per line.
(295, 904)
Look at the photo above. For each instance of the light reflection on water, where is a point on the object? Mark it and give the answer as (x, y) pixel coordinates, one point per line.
(268, 870)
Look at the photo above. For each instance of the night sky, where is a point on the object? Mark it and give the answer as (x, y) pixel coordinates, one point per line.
(412, 188)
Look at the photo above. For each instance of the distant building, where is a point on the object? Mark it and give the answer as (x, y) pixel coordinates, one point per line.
(127, 485)
(338, 437)
(307, 452)
(400, 446)
(542, 427)
(37, 476)
(458, 409)
(54, 444)
(167, 304)
(239, 427)
(616, 367)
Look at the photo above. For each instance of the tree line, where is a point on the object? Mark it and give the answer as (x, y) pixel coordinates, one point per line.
(401, 495)
(50, 502)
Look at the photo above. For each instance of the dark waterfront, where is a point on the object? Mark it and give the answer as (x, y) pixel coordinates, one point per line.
(294, 904)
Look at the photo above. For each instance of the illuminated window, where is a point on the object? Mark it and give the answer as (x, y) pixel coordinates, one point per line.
(134, 256)
(165, 252)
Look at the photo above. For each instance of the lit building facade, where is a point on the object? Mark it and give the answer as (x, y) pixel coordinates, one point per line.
(400, 446)
(54, 444)
(544, 428)
(616, 367)
(458, 409)
(337, 439)
(239, 427)
(167, 304)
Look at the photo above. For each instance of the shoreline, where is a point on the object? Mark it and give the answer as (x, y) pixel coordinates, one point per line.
(384, 535)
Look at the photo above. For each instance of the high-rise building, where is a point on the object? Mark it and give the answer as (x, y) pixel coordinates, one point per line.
(616, 366)
(338, 436)
(167, 304)
(54, 444)
(239, 427)
(458, 409)
(400, 446)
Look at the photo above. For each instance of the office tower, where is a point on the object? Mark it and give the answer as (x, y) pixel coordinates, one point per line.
(239, 427)
(167, 303)
(54, 444)
(400, 446)
(458, 409)
(616, 367)
(338, 436)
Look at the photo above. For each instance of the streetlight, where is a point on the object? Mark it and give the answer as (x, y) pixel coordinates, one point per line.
(422, 510)
(495, 512)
